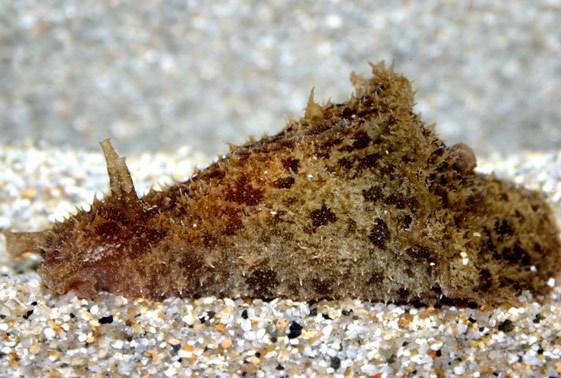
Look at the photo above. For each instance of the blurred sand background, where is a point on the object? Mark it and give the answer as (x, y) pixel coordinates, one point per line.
(157, 75)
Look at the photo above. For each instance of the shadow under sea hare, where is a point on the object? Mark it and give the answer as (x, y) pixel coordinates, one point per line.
(355, 200)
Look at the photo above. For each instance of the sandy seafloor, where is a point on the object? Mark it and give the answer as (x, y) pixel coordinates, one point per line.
(44, 335)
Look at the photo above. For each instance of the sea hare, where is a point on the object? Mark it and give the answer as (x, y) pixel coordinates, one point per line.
(355, 200)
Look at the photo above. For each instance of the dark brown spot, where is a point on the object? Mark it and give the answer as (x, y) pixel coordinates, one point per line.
(291, 164)
(396, 200)
(436, 154)
(509, 282)
(413, 204)
(516, 254)
(407, 159)
(442, 167)
(321, 287)
(538, 248)
(406, 221)
(361, 140)
(387, 170)
(347, 113)
(473, 201)
(262, 283)
(379, 233)
(107, 229)
(284, 182)
(372, 194)
(526, 259)
(490, 247)
(403, 294)
(503, 228)
(244, 193)
(322, 216)
(369, 161)
(420, 252)
(436, 290)
(485, 280)
(376, 278)
(216, 174)
(345, 163)
(461, 302)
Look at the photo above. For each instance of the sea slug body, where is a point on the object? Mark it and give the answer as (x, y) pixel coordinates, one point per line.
(355, 200)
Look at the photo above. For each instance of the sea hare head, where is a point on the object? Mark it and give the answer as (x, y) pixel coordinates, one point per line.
(102, 249)
(91, 253)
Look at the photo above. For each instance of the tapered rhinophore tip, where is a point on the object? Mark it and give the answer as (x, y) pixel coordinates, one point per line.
(120, 180)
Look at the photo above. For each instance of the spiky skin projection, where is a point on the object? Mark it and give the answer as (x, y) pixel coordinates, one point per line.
(355, 200)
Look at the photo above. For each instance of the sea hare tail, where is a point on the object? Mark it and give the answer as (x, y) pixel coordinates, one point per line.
(120, 180)
(19, 243)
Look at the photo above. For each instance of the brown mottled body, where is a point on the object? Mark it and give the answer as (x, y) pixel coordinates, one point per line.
(358, 200)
